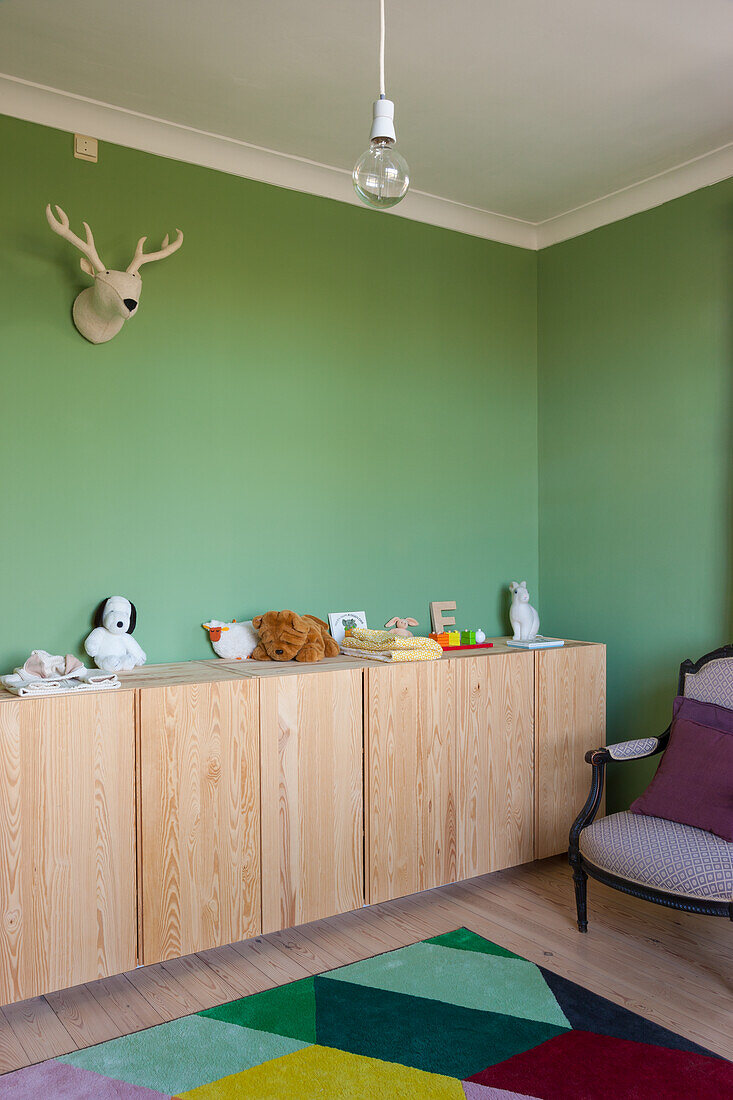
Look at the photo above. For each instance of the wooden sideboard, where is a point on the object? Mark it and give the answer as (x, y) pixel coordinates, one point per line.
(206, 802)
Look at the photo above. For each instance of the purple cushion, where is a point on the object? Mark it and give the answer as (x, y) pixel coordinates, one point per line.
(694, 781)
(705, 714)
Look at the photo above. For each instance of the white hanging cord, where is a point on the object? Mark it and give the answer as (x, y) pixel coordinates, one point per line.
(382, 90)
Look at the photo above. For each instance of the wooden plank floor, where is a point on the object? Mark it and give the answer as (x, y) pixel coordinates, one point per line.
(672, 967)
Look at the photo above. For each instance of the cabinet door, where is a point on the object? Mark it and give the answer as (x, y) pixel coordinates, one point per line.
(571, 719)
(67, 841)
(410, 778)
(494, 761)
(199, 817)
(312, 796)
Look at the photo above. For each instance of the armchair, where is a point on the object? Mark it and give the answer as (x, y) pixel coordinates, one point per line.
(650, 857)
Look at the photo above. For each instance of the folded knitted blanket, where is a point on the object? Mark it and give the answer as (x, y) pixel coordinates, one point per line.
(380, 645)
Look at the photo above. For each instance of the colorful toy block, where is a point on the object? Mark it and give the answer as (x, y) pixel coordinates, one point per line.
(460, 639)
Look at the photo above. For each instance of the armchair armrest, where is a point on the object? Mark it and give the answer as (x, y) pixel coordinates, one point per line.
(628, 750)
(633, 750)
(598, 758)
(625, 750)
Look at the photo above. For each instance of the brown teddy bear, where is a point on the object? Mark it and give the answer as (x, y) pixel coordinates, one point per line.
(285, 636)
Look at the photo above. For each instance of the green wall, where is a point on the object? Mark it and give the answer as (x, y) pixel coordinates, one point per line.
(317, 407)
(326, 408)
(635, 351)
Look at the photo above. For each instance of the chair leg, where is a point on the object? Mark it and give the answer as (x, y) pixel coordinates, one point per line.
(581, 897)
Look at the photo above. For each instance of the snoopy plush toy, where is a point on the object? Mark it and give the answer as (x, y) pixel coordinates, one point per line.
(111, 644)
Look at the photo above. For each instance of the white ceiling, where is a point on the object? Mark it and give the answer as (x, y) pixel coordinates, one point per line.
(527, 108)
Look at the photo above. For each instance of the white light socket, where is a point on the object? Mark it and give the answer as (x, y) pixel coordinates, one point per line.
(383, 125)
(85, 148)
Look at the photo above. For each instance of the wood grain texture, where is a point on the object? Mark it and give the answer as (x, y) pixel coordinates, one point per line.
(202, 983)
(173, 675)
(150, 676)
(123, 1004)
(12, 1055)
(165, 995)
(570, 720)
(39, 1030)
(199, 836)
(292, 668)
(494, 762)
(312, 796)
(410, 778)
(82, 1016)
(234, 969)
(67, 842)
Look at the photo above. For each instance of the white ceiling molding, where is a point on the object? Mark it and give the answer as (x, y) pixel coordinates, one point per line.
(702, 171)
(77, 114)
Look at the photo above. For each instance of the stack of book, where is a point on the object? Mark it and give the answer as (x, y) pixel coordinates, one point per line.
(537, 643)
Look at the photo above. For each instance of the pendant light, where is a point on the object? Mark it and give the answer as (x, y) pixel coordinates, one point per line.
(381, 176)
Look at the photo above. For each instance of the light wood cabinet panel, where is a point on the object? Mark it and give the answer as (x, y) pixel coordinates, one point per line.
(570, 720)
(199, 837)
(494, 762)
(67, 841)
(410, 778)
(312, 796)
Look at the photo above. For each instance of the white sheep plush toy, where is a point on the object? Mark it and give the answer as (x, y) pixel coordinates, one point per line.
(111, 644)
(233, 641)
(523, 617)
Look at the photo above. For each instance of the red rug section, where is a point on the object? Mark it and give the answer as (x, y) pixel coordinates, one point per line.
(581, 1064)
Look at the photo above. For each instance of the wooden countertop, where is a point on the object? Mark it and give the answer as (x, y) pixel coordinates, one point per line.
(215, 670)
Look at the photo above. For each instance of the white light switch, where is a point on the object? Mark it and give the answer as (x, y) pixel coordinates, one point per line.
(85, 148)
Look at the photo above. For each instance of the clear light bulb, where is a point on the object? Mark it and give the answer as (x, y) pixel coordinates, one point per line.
(381, 176)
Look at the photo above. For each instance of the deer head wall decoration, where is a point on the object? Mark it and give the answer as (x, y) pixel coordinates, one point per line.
(101, 310)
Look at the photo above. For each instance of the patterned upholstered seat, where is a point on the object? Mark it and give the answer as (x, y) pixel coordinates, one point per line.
(661, 854)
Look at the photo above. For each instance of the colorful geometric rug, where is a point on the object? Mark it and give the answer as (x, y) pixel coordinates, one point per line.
(455, 1017)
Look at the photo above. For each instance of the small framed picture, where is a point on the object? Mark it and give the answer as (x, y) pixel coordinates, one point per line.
(341, 621)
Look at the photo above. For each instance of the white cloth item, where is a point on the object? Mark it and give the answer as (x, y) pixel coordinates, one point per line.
(45, 666)
(83, 679)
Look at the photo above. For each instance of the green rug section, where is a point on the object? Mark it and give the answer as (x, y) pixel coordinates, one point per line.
(421, 1032)
(286, 1010)
(465, 940)
(183, 1054)
(489, 983)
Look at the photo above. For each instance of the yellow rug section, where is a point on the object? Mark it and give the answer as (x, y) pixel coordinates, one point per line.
(316, 1073)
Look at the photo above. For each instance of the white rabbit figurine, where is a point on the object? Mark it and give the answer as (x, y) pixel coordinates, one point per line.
(523, 617)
